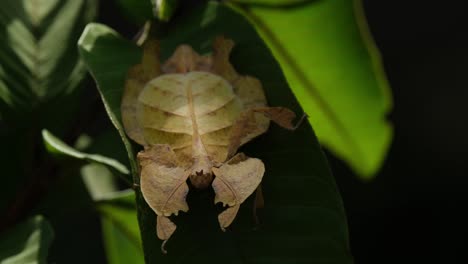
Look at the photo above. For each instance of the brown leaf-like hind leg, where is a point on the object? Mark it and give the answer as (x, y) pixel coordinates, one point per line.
(259, 203)
(235, 181)
(163, 185)
(165, 228)
(247, 124)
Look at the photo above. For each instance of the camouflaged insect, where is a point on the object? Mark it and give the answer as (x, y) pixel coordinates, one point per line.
(191, 114)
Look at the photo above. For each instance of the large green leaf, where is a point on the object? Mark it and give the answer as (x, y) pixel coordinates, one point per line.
(303, 221)
(120, 228)
(38, 57)
(335, 72)
(28, 242)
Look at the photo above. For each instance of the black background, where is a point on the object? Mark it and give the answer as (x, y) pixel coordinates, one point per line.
(414, 211)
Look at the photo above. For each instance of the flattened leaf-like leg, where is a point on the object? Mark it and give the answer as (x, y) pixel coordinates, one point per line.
(137, 77)
(247, 124)
(235, 181)
(222, 48)
(259, 202)
(165, 228)
(163, 184)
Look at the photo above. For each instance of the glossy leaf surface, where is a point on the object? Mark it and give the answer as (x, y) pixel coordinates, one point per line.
(335, 72)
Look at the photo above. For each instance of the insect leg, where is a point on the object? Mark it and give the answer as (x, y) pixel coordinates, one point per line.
(235, 181)
(259, 203)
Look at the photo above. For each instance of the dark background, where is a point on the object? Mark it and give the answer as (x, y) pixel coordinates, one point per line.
(414, 211)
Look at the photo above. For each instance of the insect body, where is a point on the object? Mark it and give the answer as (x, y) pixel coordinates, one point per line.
(191, 114)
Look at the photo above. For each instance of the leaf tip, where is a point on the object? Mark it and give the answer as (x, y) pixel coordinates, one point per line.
(91, 33)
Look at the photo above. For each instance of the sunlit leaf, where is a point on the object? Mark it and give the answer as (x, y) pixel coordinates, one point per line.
(335, 72)
(164, 9)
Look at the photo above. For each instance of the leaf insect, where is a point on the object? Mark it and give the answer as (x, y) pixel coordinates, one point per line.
(191, 114)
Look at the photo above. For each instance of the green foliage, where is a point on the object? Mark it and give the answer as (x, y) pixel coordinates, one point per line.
(335, 73)
(320, 48)
(112, 75)
(137, 11)
(120, 228)
(99, 180)
(40, 73)
(56, 146)
(164, 9)
(273, 3)
(38, 58)
(303, 220)
(28, 242)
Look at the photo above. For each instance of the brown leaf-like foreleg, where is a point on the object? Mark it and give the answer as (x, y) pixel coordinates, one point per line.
(164, 187)
(235, 181)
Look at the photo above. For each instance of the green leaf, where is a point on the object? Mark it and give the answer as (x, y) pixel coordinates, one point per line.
(110, 76)
(303, 220)
(118, 215)
(335, 72)
(38, 56)
(55, 145)
(120, 228)
(27, 242)
(99, 180)
(164, 9)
